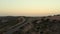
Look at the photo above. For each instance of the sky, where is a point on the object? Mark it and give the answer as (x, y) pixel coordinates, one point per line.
(29, 7)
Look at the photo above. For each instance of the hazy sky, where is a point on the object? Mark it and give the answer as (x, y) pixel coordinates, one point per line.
(29, 7)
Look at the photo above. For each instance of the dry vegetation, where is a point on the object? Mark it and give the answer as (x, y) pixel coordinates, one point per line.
(34, 25)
